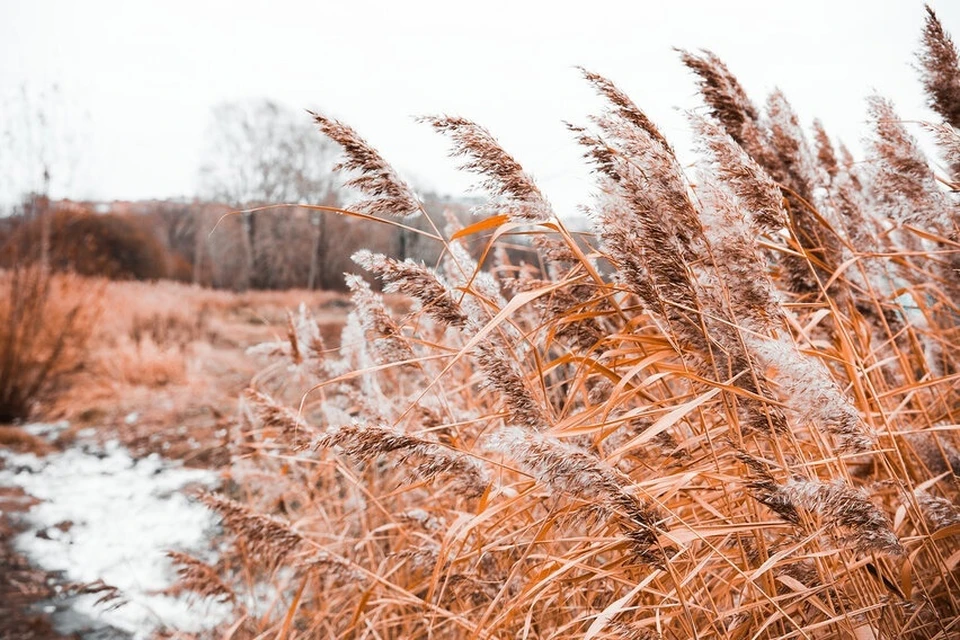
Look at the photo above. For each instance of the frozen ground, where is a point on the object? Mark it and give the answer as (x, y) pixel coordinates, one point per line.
(107, 516)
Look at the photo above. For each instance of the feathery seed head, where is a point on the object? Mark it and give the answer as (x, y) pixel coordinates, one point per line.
(416, 281)
(940, 70)
(502, 176)
(386, 192)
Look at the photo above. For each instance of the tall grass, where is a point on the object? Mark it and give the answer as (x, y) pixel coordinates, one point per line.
(733, 414)
(46, 320)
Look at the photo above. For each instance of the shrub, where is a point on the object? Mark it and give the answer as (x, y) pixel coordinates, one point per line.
(749, 431)
(107, 245)
(46, 320)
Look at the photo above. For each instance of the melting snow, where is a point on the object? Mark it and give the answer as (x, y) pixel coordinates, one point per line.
(125, 514)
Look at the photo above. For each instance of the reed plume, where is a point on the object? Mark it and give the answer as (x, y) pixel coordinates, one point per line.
(753, 186)
(296, 431)
(427, 460)
(904, 183)
(847, 512)
(948, 141)
(416, 281)
(841, 507)
(503, 177)
(938, 512)
(502, 374)
(565, 470)
(266, 538)
(812, 394)
(199, 578)
(724, 95)
(387, 343)
(940, 70)
(386, 193)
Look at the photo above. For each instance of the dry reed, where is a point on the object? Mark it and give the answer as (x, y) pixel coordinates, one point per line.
(731, 413)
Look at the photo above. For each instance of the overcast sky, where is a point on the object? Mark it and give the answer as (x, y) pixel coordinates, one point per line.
(138, 79)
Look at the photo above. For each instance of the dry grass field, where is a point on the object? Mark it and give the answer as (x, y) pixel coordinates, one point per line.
(156, 367)
(166, 361)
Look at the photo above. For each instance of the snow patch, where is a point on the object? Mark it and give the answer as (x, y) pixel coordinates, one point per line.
(107, 516)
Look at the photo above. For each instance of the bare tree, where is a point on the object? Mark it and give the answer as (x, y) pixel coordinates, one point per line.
(40, 142)
(262, 153)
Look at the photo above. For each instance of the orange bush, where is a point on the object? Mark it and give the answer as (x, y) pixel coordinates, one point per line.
(109, 245)
(45, 322)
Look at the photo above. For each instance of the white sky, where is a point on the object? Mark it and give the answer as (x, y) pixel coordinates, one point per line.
(139, 78)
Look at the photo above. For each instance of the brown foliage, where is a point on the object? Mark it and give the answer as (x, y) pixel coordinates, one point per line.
(45, 322)
(108, 245)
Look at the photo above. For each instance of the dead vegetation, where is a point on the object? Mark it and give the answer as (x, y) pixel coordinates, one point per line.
(46, 320)
(730, 412)
(747, 431)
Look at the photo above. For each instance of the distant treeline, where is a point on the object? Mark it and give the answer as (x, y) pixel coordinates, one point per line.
(207, 244)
